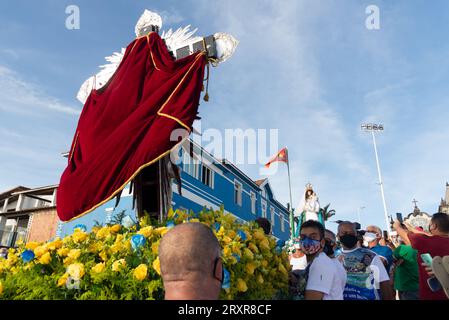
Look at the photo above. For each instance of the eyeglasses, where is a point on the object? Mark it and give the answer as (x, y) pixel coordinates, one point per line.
(217, 259)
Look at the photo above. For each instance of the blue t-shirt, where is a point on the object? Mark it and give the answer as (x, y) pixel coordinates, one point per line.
(386, 253)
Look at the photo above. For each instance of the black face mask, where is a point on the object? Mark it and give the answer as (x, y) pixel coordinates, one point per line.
(328, 250)
(349, 240)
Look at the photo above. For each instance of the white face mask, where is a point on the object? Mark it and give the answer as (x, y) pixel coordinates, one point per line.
(368, 237)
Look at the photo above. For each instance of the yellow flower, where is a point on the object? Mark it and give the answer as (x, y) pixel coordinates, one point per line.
(99, 267)
(45, 258)
(264, 244)
(119, 264)
(74, 254)
(155, 247)
(227, 252)
(250, 268)
(103, 233)
(259, 234)
(62, 252)
(40, 250)
(79, 236)
(32, 245)
(264, 263)
(253, 247)
(140, 272)
(76, 270)
(95, 247)
(241, 285)
(231, 234)
(146, 231)
(103, 255)
(157, 266)
(1, 288)
(55, 244)
(116, 247)
(115, 228)
(194, 220)
(161, 230)
(248, 254)
(282, 269)
(63, 280)
(226, 239)
(259, 279)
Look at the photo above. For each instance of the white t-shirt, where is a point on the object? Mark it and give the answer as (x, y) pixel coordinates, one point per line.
(298, 263)
(326, 276)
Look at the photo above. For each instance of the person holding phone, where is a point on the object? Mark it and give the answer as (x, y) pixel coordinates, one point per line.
(435, 244)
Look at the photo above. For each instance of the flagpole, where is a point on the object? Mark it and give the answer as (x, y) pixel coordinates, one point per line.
(292, 225)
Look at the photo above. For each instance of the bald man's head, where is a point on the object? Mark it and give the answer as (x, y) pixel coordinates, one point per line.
(188, 250)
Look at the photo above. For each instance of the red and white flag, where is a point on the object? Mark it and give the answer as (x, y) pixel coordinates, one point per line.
(281, 156)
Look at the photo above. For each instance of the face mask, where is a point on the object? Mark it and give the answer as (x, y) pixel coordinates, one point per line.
(368, 237)
(349, 240)
(328, 250)
(310, 246)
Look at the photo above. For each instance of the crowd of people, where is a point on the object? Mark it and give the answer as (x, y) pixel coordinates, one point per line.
(353, 264)
(370, 265)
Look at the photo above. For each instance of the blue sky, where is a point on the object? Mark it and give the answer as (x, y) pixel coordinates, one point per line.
(309, 68)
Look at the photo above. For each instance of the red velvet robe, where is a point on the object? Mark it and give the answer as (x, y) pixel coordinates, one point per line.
(126, 125)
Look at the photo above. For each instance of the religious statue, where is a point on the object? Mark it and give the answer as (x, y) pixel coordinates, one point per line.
(308, 209)
(131, 108)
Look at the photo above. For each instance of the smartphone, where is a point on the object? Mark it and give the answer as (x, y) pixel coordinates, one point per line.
(399, 217)
(434, 284)
(427, 258)
(385, 234)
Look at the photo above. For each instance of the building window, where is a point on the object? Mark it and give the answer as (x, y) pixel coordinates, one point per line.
(190, 165)
(264, 209)
(238, 193)
(282, 224)
(273, 214)
(207, 176)
(253, 202)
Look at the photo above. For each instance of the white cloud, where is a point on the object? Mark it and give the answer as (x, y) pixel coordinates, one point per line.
(22, 97)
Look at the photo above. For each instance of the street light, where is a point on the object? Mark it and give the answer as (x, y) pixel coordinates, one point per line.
(371, 127)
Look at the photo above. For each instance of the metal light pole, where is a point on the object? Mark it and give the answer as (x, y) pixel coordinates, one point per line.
(375, 128)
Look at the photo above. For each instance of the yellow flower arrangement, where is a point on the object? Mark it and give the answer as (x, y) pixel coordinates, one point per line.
(140, 272)
(256, 269)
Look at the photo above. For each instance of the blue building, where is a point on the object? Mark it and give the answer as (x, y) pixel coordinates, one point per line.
(205, 182)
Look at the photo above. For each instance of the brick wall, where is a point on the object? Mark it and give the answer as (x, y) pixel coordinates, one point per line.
(43, 225)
